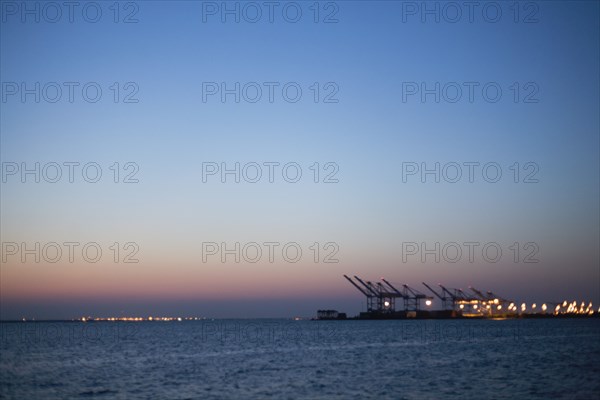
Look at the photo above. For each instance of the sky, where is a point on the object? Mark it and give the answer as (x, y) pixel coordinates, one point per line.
(378, 105)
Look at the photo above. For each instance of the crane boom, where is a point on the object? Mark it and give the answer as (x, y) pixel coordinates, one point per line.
(369, 288)
(417, 294)
(399, 293)
(478, 293)
(356, 286)
(434, 292)
(464, 295)
(447, 291)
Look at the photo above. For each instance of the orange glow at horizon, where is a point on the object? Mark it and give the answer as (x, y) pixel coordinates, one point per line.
(137, 280)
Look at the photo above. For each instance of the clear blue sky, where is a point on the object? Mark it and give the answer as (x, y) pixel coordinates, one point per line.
(369, 133)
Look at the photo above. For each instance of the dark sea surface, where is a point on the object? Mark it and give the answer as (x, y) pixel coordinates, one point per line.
(286, 359)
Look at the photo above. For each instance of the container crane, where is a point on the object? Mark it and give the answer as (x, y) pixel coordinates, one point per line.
(413, 297)
(447, 302)
(367, 294)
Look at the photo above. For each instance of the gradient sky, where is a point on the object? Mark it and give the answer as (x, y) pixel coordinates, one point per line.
(369, 133)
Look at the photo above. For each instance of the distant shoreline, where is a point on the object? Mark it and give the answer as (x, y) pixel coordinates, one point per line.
(521, 317)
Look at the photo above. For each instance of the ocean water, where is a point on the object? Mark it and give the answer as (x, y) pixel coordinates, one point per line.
(286, 359)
